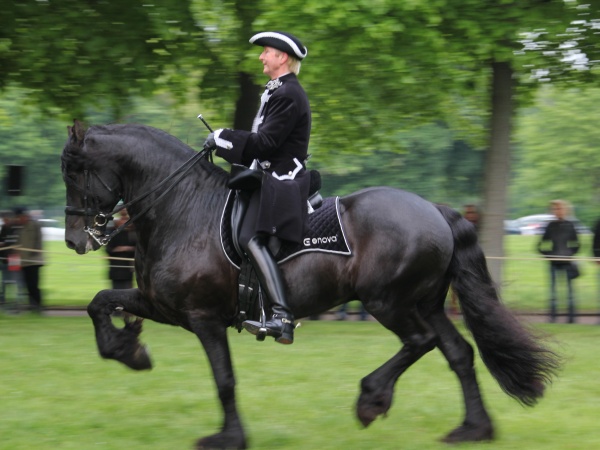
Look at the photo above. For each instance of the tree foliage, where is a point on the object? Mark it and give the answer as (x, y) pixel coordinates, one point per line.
(34, 139)
(558, 155)
(377, 72)
(77, 54)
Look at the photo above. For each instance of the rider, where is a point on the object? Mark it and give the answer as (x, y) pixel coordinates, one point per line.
(279, 141)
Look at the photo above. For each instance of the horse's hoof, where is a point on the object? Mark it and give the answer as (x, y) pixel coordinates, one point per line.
(470, 433)
(221, 441)
(133, 323)
(140, 360)
(365, 419)
(371, 404)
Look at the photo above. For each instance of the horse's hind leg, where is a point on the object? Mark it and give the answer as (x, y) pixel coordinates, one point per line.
(377, 388)
(121, 344)
(477, 425)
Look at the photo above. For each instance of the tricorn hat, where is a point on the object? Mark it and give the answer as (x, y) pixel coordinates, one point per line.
(281, 41)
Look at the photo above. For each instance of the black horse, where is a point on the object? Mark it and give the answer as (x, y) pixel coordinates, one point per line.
(406, 252)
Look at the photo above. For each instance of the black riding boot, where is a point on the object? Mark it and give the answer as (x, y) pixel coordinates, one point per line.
(281, 325)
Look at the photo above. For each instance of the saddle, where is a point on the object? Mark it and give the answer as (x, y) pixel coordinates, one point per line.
(325, 234)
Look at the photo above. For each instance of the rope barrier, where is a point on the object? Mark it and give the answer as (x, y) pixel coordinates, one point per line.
(117, 258)
(533, 258)
(543, 258)
(33, 250)
(96, 257)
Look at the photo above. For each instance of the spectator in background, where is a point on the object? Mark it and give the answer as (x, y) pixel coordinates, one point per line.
(342, 312)
(121, 250)
(596, 250)
(596, 242)
(471, 213)
(8, 238)
(560, 241)
(30, 253)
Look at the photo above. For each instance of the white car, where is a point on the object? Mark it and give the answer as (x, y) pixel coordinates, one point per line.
(53, 234)
(537, 223)
(51, 231)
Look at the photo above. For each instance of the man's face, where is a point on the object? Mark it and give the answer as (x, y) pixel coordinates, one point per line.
(559, 211)
(273, 60)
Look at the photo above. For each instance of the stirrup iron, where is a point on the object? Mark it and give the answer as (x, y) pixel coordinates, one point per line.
(262, 332)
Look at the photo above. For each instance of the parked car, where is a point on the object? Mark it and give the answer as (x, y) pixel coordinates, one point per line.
(51, 230)
(511, 227)
(536, 224)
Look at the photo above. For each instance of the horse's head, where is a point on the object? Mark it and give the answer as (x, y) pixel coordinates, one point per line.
(93, 190)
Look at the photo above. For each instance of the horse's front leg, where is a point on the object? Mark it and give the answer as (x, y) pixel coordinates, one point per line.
(213, 336)
(121, 344)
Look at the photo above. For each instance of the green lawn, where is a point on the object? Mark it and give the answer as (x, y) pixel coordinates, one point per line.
(69, 279)
(57, 393)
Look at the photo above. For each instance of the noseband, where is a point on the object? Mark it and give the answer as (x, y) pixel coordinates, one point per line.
(94, 217)
(101, 218)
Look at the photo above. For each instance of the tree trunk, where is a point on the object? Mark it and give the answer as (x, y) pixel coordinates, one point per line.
(247, 103)
(497, 168)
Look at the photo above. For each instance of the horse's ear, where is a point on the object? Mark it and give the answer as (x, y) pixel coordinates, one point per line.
(77, 132)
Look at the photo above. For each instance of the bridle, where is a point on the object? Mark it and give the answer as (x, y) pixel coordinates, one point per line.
(91, 209)
(100, 219)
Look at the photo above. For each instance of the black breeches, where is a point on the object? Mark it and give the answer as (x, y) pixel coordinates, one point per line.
(248, 229)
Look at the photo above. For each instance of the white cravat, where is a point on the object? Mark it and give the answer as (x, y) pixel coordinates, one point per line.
(264, 98)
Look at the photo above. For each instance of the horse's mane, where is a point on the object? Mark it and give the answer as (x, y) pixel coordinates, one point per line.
(141, 131)
(74, 158)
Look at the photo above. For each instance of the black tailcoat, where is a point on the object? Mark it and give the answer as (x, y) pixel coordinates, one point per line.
(279, 141)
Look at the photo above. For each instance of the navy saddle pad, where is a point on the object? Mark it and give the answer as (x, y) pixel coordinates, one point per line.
(325, 233)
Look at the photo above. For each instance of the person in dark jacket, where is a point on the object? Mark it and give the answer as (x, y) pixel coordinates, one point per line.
(596, 242)
(560, 242)
(278, 142)
(31, 254)
(596, 251)
(121, 251)
(8, 238)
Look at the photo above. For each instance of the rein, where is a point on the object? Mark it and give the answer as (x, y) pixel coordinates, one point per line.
(102, 218)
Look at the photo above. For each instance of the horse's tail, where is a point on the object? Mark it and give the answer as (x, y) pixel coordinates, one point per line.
(514, 356)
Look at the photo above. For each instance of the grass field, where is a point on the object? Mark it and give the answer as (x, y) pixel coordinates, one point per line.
(69, 279)
(56, 392)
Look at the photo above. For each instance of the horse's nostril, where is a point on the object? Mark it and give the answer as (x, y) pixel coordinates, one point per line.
(70, 244)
